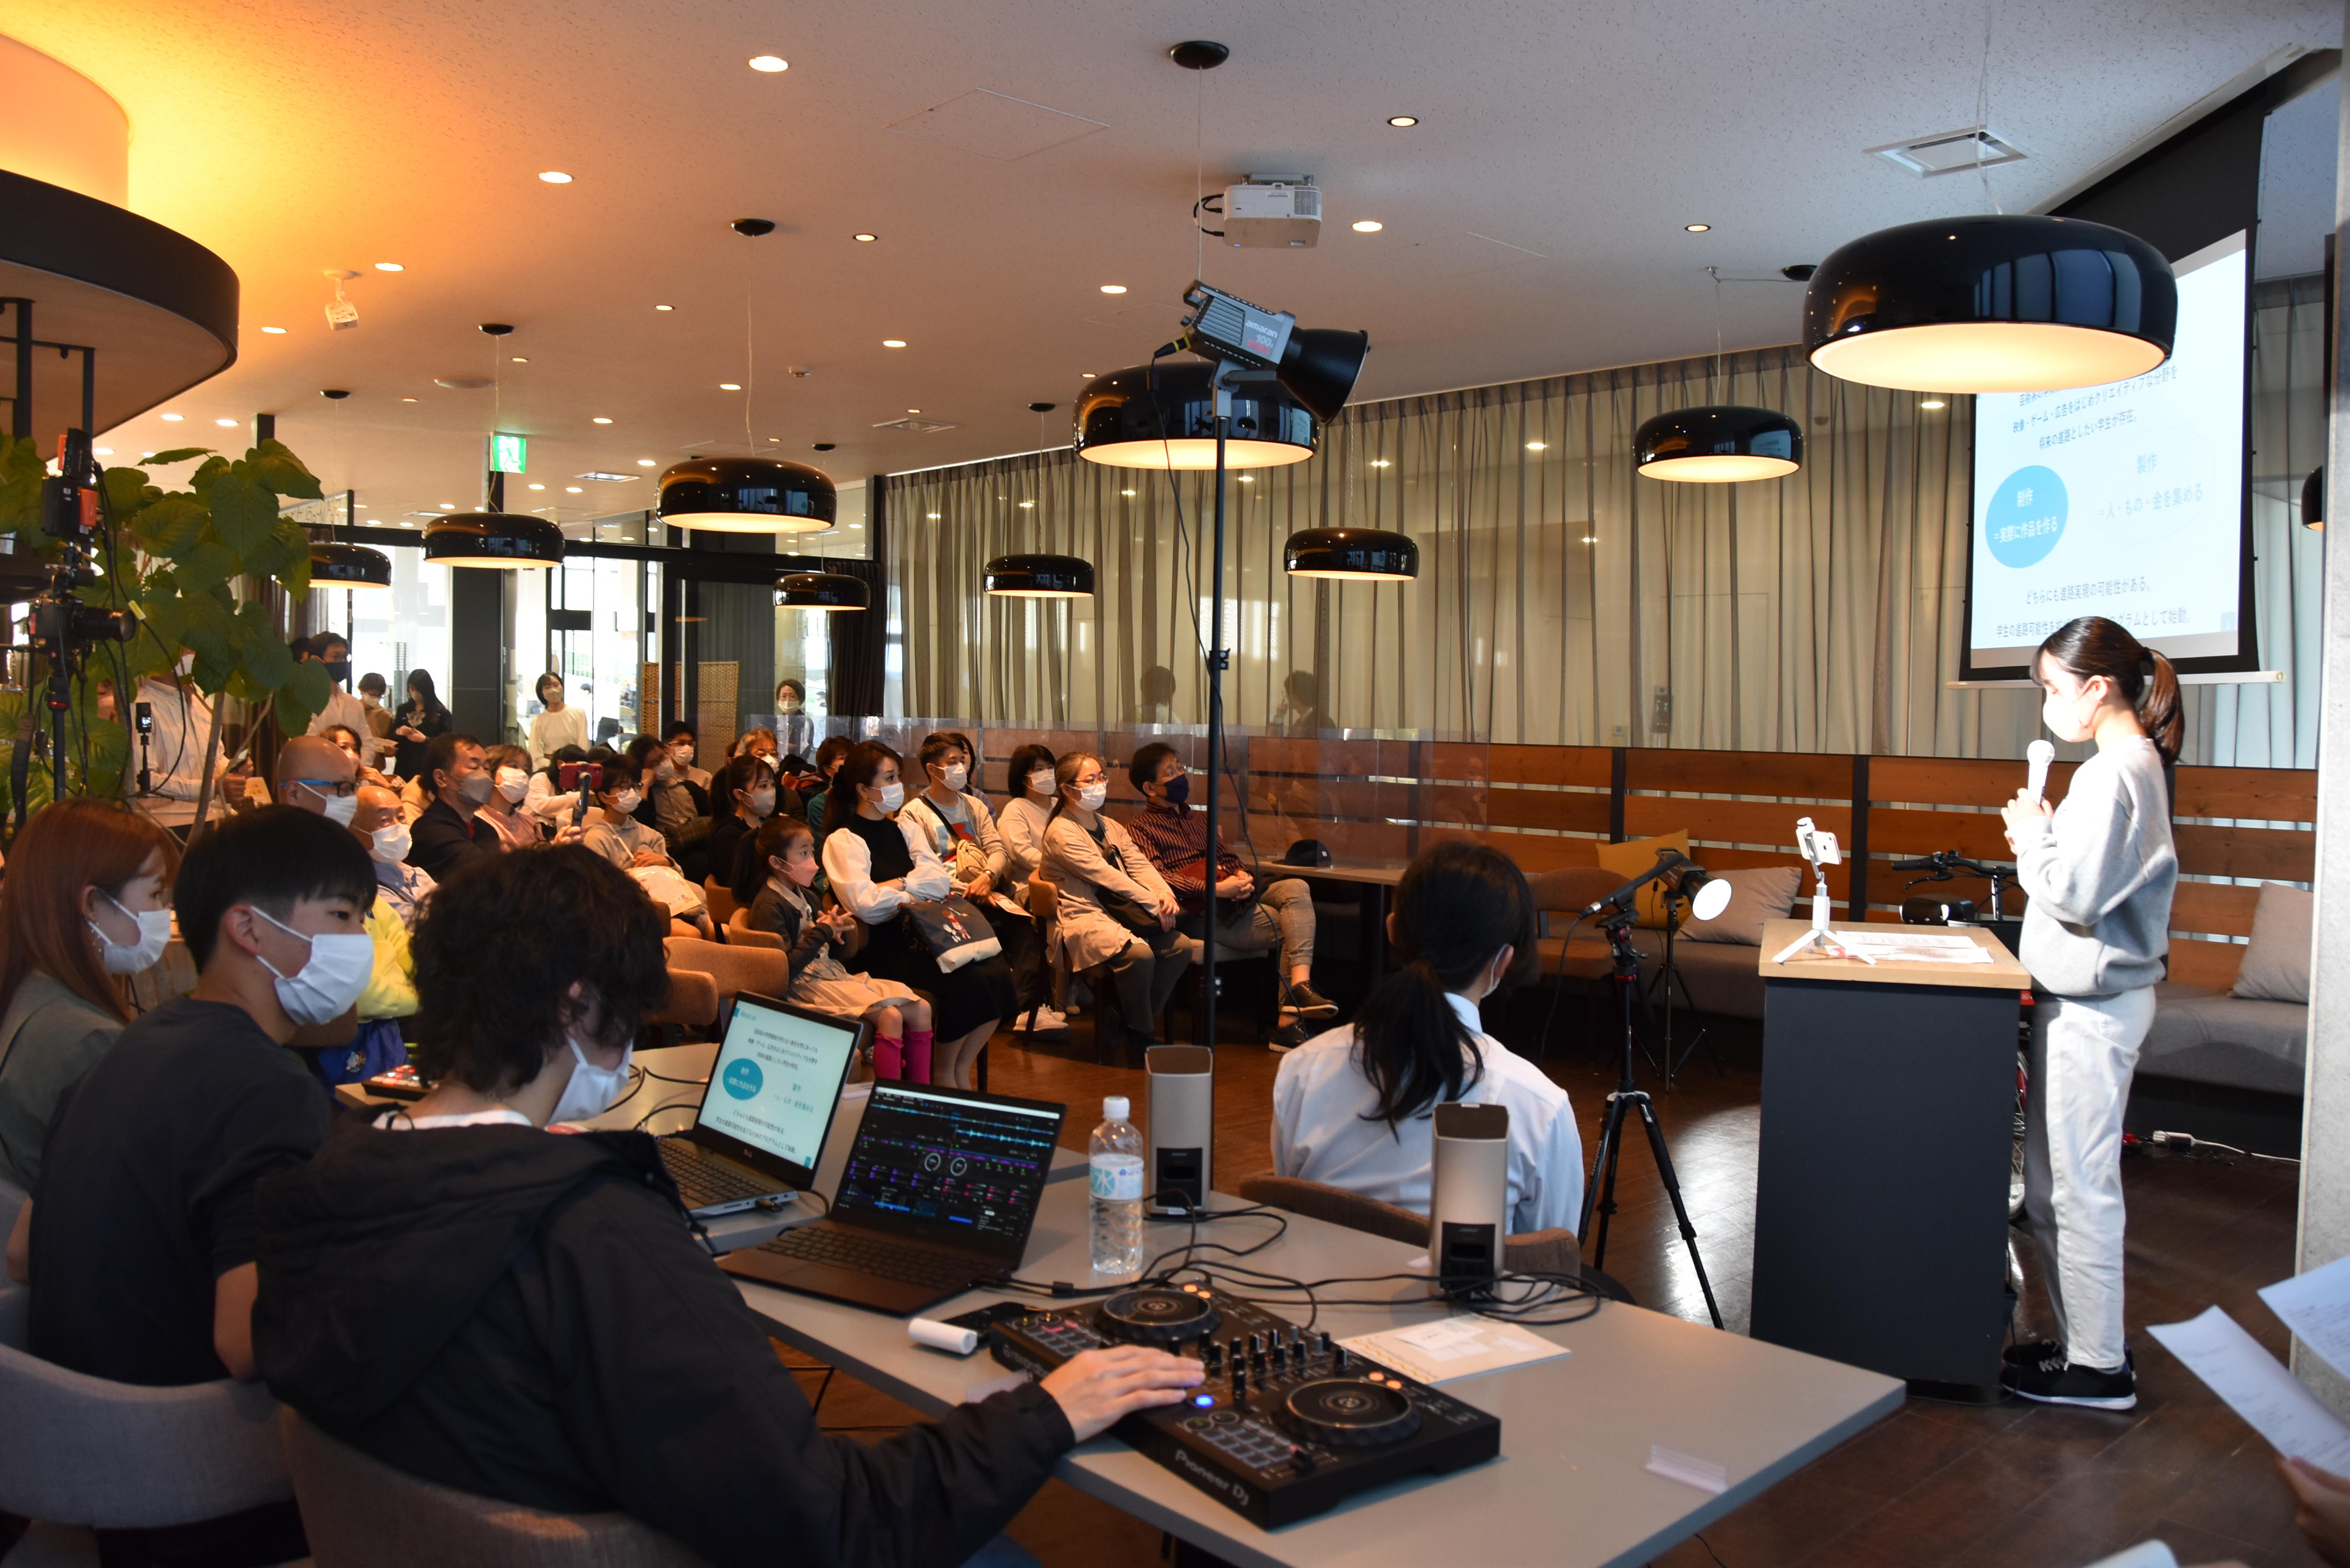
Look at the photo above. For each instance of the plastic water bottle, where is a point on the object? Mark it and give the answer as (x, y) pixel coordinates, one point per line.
(1116, 1174)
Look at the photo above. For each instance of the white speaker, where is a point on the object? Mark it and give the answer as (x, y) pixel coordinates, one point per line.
(1469, 1206)
(1182, 1127)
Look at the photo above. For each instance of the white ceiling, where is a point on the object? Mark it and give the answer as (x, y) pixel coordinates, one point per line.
(291, 138)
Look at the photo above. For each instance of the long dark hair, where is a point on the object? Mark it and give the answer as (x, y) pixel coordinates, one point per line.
(856, 770)
(1458, 905)
(2092, 646)
(420, 681)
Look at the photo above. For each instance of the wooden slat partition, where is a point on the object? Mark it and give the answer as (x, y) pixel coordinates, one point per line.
(1552, 807)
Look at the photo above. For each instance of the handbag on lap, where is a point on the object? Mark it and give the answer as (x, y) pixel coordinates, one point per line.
(952, 931)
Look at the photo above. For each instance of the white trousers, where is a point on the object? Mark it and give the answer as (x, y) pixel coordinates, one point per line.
(2083, 1050)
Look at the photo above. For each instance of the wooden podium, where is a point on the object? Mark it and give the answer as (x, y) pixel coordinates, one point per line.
(1881, 1200)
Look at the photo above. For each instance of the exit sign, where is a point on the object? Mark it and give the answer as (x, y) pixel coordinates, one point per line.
(509, 454)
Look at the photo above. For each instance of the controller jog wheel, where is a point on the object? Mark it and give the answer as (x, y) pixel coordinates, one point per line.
(1349, 1413)
(1157, 1317)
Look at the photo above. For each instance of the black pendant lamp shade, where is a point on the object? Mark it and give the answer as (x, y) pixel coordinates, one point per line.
(339, 566)
(1366, 555)
(493, 539)
(1040, 577)
(2313, 500)
(1123, 416)
(1719, 444)
(2004, 304)
(747, 495)
(820, 591)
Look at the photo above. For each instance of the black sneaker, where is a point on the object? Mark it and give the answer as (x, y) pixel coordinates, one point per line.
(1286, 1039)
(2056, 1381)
(1307, 1002)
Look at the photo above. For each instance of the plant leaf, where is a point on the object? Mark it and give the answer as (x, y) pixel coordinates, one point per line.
(302, 695)
(170, 526)
(273, 464)
(182, 454)
(244, 515)
(207, 566)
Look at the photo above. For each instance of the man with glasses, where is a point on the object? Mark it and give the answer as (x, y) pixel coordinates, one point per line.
(458, 785)
(315, 775)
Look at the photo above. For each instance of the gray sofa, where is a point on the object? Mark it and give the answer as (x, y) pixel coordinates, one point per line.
(2205, 1035)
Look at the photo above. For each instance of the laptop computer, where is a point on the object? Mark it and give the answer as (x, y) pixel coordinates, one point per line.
(939, 1194)
(768, 1107)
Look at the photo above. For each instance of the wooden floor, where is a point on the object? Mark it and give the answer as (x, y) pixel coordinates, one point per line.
(2017, 1485)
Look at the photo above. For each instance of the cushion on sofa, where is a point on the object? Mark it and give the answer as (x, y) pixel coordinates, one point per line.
(2209, 1036)
(1633, 856)
(2276, 965)
(1757, 893)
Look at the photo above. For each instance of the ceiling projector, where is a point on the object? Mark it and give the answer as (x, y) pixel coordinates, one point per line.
(1273, 212)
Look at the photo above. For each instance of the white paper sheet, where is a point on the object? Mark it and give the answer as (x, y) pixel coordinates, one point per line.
(1454, 1347)
(1912, 944)
(2257, 1387)
(2317, 1307)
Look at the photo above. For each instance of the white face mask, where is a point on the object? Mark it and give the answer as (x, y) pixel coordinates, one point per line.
(958, 778)
(893, 795)
(324, 987)
(154, 930)
(1092, 796)
(787, 705)
(682, 753)
(627, 801)
(763, 803)
(592, 1089)
(513, 783)
(1041, 781)
(2068, 718)
(338, 809)
(664, 772)
(389, 844)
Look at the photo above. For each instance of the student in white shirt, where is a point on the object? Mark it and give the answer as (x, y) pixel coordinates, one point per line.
(1354, 1108)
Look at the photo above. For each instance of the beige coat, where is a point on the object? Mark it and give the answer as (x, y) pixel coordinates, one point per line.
(1087, 935)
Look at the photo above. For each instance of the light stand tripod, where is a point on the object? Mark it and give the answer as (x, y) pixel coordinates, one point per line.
(1600, 1191)
(1665, 976)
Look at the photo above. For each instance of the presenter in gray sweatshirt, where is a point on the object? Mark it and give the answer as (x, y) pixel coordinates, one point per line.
(2099, 871)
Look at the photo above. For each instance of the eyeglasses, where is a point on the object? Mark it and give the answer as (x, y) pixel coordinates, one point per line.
(336, 787)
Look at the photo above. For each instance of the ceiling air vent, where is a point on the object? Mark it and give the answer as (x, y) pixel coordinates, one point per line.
(1948, 151)
(916, 427)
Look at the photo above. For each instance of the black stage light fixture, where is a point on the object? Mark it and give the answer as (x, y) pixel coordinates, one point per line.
(820, 591)
(1040, 577)
(1164, 416)
(1317, 365)
(497, 539)
(747, 495)
(334, 565)
(1362, 554)
(1992, 304)
(1719, 444)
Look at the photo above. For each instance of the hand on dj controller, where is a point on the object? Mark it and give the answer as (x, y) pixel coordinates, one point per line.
(1097, 1388)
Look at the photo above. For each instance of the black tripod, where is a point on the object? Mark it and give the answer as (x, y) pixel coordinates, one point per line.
(1600, 1191)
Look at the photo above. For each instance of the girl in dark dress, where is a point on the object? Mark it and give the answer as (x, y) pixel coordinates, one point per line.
(876, 871)
(420, 718)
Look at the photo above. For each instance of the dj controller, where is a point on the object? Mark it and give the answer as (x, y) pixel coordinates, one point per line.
(1287, 1424)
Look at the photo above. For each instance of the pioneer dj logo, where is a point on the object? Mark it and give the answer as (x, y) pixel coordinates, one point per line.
(1207, 1476)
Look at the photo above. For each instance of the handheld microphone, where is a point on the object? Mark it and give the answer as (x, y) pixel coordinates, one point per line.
(2040, 754)
(1468, 1201)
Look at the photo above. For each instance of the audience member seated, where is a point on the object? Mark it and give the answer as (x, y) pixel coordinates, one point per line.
(82, 907)
(139, 1240)
(1280, 918)
(1115, 908)
(453, 778)
(530, 1318)
(954, 821)
(545, 798)
(878, 867)
(762, 743)
(501, 823)
(1022, 821)
(815, 797)
(683, 743)
(403, 886)
(678, 810)
(1353, 1107)
(745, 796)
(616, 831)
(313, 775)
(557, 726)
(348, 742)
(787, 905)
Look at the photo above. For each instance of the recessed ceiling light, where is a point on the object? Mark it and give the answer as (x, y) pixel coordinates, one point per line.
(866, 239)
(913, 411)
(1027, 506)
(1538, 446)
(1591, 539)
(407, 399)
(103, 451)
(1369, 226)
(1381, 463)
(599, 419)
(225, 424)
(1697, 228)
(730, 386)
(893, 343)
(520, 360)
(390, 267)
(449, 505)
(1248, 479)
(1085, 375)
(770, 63)
(776, 439)
(275, 331)
(555, 177)
(1113, 288)
(1403, 122)
(664, 307)
(1125, 492)
(570, 490)
(173, 419)
(647, 462)
(1933, 403)
(405, 523)
(538, 487)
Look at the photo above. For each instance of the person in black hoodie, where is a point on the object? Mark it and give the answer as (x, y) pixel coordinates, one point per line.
(530, 1317)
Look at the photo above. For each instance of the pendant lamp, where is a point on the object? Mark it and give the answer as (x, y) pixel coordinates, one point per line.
(506, 539)
(1362, 554)
(820, 591)
(1992, 304)
(1040, 577)
(339, 566)
(747, 495)
(1164, 416)
(2313, 500)
(1719, 444)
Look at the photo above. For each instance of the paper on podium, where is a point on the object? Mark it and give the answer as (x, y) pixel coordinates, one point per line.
(1912, 944)
(2256, 1386)
(1454, 1347)
(2317, 1307)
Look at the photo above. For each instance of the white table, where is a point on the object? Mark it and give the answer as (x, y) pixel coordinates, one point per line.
(1570, 1489)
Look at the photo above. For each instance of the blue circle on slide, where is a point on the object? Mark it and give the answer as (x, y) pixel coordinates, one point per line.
(742, 1079)
(2025, 517)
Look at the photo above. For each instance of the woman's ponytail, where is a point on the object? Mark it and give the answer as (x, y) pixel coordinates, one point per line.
(2092, 646)
(1458, 906)
(2159, 708)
